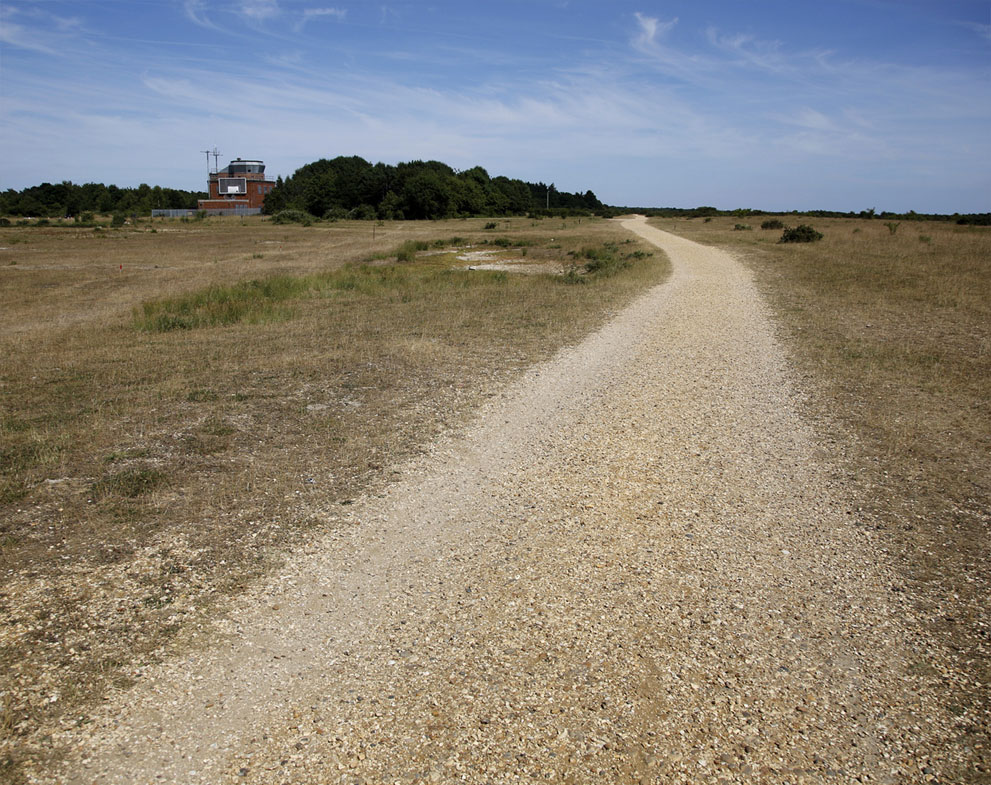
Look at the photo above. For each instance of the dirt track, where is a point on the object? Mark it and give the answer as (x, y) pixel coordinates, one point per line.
(635, 566)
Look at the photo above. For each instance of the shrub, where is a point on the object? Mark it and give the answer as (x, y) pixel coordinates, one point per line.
(407, 251)
(292, 216)
(742, 228)
(333, 214)
(802, 233)
(118, 220)
(363, 212)
(892, 226)
(491, 225)
(772, 223)
(603, 261)
(4, 222)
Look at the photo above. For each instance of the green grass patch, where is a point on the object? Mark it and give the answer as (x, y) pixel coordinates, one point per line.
(267, 300)
(601, 262)
(217, 306)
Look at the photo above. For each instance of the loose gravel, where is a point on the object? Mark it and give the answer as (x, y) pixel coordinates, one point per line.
(636, 566)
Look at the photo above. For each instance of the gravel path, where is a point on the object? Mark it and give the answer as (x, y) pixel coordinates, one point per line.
(635, 566)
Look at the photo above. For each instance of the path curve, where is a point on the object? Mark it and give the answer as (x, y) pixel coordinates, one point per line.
(634, 567)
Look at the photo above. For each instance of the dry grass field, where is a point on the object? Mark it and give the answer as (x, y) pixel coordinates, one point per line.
(179, 408)
(183, 403)
(890, 326)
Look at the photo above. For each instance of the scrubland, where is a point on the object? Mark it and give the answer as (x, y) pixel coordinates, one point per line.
(180, 408)
(184, 403)
(889, 326)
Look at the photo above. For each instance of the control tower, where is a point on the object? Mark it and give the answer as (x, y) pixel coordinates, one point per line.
(241, 186)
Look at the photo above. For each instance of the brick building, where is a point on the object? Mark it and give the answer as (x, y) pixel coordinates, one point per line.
(239, 187)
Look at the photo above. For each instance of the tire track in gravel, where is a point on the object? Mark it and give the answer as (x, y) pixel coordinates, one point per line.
(634, 567)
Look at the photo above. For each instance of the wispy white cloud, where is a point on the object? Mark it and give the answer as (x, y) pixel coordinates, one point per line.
(314, 14)
(748, 50)
(984, 31)
(389, 15)
(48, 33)
(195, 11)
(712, 107)
(259, 10)
(650, 30)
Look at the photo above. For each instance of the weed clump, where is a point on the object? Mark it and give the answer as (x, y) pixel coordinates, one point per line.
(218, 306)
(600, 263)
(803, 233)
(772, 223)
(742, 227)
(408, 250)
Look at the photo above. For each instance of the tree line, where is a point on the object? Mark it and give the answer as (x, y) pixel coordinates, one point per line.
(705, 211)
(351, 187)
(50, 200)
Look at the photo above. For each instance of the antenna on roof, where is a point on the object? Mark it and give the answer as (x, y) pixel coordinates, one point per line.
(207, 161)
(216, 163)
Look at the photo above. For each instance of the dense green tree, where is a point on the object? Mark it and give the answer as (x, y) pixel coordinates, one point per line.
(348, 185)
(50, 200)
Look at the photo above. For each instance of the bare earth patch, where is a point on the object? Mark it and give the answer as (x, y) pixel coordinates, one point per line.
(636, 565)
(495, 260)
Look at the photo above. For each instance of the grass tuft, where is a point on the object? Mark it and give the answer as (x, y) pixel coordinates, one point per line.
(129, 483)
(408, 250)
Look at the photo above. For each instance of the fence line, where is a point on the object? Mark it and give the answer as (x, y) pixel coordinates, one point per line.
(216, 211)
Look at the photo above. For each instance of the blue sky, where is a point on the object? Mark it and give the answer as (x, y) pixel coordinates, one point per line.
(836, 104)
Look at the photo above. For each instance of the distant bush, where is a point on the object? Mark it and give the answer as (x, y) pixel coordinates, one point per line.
(975, 219)
(333, 214)
(491, 225)
(603, 261)
(800, 234)
(4, 222)
(118, 220)
(292, 217)
(772, 223)
(363, 212)
(742, 228)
